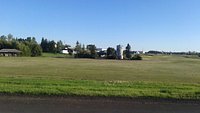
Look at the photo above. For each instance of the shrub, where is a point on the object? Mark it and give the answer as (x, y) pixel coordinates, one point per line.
(136, 57)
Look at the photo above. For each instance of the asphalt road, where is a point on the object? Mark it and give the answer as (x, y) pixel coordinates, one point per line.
(20, 104)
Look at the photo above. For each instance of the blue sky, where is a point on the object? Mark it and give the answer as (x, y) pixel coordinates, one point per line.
(168, 25)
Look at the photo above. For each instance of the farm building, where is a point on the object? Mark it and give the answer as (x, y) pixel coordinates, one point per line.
(68, 50)
(9, 52)
(65, 51)
(137, 52)
(119, 52)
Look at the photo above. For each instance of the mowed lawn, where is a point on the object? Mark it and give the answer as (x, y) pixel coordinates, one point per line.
(155, 76)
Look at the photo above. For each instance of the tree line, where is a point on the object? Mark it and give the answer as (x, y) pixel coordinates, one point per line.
(90, 52)
(29, 47)
(85, 52)
(50, 46)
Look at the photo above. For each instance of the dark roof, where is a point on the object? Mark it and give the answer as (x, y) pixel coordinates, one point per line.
(9, 51)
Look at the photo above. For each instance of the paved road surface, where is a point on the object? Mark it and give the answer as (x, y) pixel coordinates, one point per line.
(19, 104)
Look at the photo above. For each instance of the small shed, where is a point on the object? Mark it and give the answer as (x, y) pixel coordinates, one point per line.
(9, 52)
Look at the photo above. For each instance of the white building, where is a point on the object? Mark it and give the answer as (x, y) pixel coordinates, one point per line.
(68, 50)
(65, 51)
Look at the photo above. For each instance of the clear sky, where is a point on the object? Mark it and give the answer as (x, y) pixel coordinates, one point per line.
(168, 25)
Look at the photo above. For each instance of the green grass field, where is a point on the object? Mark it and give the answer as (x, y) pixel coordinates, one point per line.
(156, 76)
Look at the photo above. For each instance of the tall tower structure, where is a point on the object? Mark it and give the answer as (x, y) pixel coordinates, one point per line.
(119, 52)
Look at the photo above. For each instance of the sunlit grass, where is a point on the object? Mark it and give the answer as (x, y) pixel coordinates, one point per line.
(155, 76)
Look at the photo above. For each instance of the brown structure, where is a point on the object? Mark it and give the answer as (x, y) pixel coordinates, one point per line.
(9, 52)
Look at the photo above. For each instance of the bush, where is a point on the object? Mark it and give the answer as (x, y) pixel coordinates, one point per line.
(36, 50)
(111, 53)
(136, 57)
(84, 54)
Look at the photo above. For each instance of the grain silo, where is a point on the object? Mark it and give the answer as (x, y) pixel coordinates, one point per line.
(119, 52)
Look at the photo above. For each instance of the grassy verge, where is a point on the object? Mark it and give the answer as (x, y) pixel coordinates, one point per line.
(99, 88)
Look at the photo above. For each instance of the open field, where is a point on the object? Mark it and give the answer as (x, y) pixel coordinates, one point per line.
(155, 76)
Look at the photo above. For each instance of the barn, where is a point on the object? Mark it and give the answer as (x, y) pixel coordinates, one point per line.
(9, 52)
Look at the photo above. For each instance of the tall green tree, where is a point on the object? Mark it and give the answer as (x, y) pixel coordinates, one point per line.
(83, 48)
(10, 37)
(26, 51)
(36, 50)
(92, 50)
(50, 46)
(128, 51)
(44, 45)
(60, 46)
(78, 48)
(111, 53)
(3, 37)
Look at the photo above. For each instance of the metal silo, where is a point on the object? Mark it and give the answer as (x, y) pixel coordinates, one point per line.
(119, 52)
